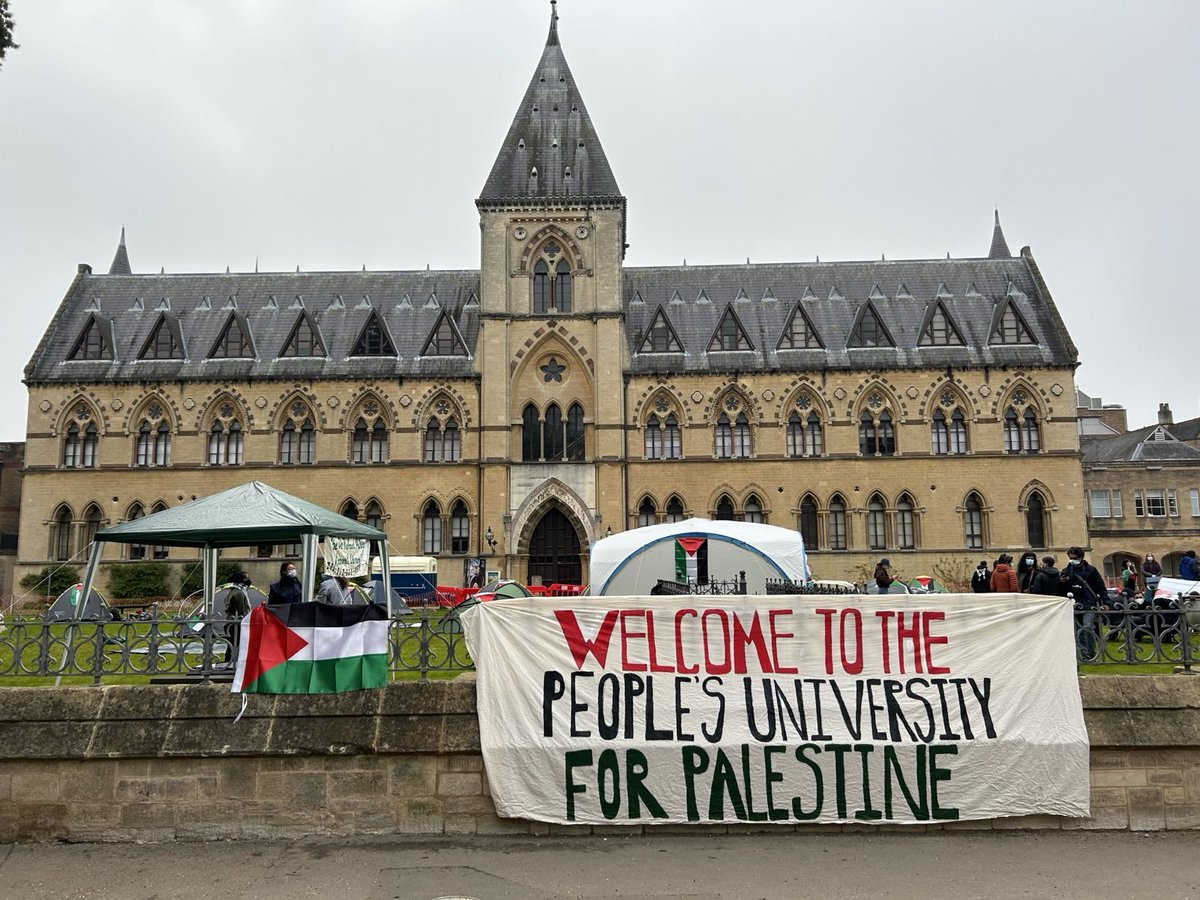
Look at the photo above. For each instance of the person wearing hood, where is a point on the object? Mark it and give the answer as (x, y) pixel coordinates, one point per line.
(1004, 577)
(1046, 579)
(883, 578)
(1189, 566)
(287, 589)
(981, 578)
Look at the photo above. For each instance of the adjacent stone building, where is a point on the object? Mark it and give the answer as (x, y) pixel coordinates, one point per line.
(1143, 490)
(922, 410)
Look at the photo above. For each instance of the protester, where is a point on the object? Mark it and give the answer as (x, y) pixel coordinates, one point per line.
(1045, 581)
(1151, 568)
(1072, 583)
(1129, 578)
(288, 588)
(1189, 567)
(1089, 573)
(883, 578)
(335, 589)
(1026, 570)
(981, 578)
(1004, 578)
(237, 606)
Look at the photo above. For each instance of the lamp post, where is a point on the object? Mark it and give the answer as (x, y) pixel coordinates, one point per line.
(490, 537)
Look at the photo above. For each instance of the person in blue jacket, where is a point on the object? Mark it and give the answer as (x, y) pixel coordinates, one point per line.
(1189, 566)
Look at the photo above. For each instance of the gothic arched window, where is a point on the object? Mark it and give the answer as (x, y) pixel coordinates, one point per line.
(647, 513)
(552, 287)
(752, 511)
(460, 528)
(876, 523)
(837, 523)
(906, 531)
(1035, 520)
(653, 441)
(60, 539)
(973, 522)
(725, 509)
(552, 433)
(808, 522)
(674, 510)
(431, 529)
(531, 435)
(575, 433)
(298, 437)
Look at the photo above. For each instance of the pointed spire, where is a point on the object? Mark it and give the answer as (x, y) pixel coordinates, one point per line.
(120, 263)
(551, 135)
(999, 249)
(552, 37)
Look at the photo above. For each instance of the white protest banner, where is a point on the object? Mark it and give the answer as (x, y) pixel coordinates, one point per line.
(895, 709)
(347, 557)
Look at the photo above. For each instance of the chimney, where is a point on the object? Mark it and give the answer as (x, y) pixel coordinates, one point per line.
(1164, 414)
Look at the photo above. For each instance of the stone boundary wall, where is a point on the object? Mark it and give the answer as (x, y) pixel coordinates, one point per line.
(160, 763)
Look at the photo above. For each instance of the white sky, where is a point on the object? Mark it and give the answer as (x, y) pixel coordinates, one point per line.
(332, 133)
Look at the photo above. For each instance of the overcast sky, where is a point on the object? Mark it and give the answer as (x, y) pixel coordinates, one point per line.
(340, 133)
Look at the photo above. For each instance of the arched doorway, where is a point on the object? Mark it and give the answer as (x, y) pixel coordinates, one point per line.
(554, 551)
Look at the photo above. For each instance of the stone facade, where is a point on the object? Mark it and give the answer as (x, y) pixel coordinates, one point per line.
(169, 763)
(131, 363)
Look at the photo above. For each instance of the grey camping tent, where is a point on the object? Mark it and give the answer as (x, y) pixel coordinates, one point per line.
(67, 607)
(252, 513)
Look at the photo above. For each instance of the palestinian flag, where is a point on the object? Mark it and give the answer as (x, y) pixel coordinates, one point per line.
(312, 648)
(691, 560)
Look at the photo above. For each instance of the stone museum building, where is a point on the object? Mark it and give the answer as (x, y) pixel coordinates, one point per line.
(922, 410)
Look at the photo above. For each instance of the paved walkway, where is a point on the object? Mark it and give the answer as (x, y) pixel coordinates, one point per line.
(698, 867)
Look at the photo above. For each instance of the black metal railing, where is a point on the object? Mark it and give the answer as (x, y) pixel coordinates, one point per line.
(429, 643)
(782, 586)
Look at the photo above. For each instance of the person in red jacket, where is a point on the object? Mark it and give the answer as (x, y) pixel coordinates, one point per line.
(1004, 577)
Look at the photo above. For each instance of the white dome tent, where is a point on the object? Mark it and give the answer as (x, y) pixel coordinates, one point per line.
(632, 562)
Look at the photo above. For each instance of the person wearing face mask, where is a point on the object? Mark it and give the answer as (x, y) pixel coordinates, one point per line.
(1087, 572)
(1151, 574)
(1004, 579)
(287, 588)
(981, 578)
(1027, 568)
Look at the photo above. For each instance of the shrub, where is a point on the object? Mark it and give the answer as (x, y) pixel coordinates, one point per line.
(50, 582)
(193, 579)
(138, 581)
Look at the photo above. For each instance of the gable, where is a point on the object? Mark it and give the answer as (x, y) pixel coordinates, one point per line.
(374, 339)
(868, 329)
(660, 336)
(444, 340)
(799, 333)
(939, 329)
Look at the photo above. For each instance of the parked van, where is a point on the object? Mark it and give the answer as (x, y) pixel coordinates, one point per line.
(410, 574)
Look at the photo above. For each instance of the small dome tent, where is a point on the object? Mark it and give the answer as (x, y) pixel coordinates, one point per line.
(632, 562)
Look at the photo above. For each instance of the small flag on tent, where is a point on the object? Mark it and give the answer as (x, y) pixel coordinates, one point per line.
(691, 560)
(312, 648)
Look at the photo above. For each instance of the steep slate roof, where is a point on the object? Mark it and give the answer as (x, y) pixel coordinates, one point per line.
(832, 296)
(339, 304)
(1140, 447)
(553, 134)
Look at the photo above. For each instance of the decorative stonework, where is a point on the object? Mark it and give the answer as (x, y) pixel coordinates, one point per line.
(333, 402)
(840, 393)
(912, 392)
(768, 395)
(520, 233)
(117, 405)
(46, 406)
(1056, 390)
(189, 404)
(406, 401)
(261, 402)
(984, 390)
(697, 396)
